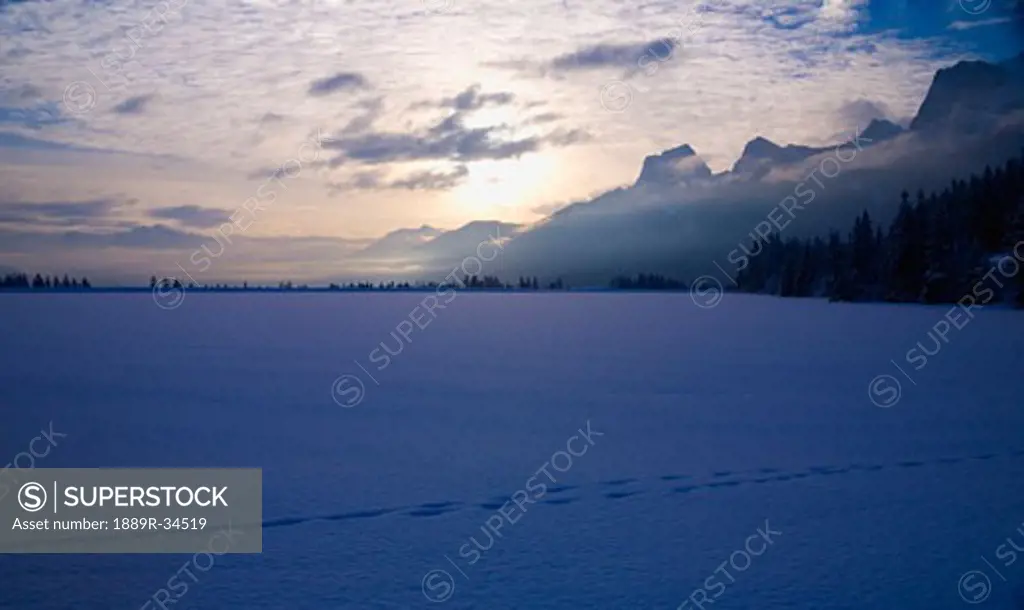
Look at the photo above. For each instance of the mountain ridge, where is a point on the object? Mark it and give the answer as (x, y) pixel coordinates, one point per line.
(677, 210)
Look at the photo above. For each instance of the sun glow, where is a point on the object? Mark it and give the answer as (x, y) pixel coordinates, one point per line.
(507, 189)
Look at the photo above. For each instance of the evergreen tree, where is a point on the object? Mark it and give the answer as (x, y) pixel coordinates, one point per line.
(839, 288)
(935, 250)
(1015, 247)
(864, 254)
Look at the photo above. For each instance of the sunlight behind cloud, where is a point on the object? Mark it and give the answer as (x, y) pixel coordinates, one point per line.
(234, 88)
(508, 189)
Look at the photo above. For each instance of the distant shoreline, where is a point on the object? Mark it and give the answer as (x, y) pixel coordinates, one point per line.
(133, 290)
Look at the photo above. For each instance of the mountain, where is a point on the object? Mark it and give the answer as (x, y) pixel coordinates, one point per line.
(455, 245)
(661, 225)
(682, 165)
(880, 130)
(971, 94)
(760, 154)
(679, 165)
(654, 226)
(428, 246)
(399, 244)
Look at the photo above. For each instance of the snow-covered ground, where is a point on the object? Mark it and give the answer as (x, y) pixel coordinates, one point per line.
(706, 423)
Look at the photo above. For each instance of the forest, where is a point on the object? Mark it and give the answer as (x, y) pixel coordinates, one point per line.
(966, 240)
(21, 281)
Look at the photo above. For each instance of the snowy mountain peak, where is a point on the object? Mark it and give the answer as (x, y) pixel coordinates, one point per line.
(673, 166)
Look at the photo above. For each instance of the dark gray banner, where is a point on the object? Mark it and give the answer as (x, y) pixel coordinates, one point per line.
(134, 510)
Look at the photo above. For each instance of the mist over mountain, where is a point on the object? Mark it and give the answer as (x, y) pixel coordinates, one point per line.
(677, 166)
(398, 244)
(879, 130)
(761, 154)
(406, 253)
(680, 219)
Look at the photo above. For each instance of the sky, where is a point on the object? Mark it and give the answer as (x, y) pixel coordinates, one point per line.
(131, 130)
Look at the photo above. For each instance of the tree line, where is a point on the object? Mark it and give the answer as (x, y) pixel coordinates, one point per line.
(936, 250)
(646, 281)
(21, 281)
(467, 282)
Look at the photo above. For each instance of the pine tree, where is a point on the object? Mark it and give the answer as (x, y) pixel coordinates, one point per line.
(938, 285)
(904, 273)
(839, 272)
(863, 258)
(1015, 247)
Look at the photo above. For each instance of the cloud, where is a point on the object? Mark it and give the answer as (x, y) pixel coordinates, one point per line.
(737, 65)
(613, 55)
(472, 99)
(342, 80)
(372, 110)
(192, 215)
(133, 105)
(136, 236)
(567, 137)
(970, 25)
(56, 213)
(449, 139)
(427, 180)
(861, 112)
(547, 209)
(544, 117)
(361, 181)
(432, 181)
(21, 93)
(34, 116)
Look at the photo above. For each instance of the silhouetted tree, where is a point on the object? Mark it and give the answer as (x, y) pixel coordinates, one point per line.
(935, 250)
